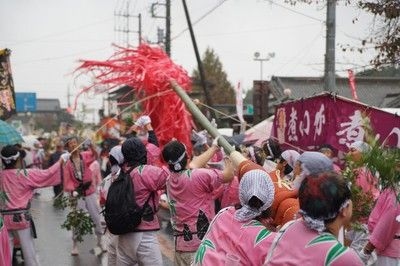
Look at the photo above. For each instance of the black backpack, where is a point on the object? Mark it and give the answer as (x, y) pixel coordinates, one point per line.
(121, 212)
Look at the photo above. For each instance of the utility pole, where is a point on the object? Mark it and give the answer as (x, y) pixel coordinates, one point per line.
(199, 63)
(167, 17)
(168, 27)
(124, 25)
(329, 75)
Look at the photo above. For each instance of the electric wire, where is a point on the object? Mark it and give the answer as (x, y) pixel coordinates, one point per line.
(199, 19)
(297, 12)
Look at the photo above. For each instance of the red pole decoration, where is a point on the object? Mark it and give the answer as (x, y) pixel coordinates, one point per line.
(148, 70)
(352, 83)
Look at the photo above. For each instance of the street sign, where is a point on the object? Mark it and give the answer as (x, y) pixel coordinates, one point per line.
(25, 101)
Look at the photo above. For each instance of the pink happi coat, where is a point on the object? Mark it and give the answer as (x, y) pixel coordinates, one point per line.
(147, 181)
(190, 195)
(153, 154)
(230, 197)
(367, 182)
(296, 244)
(383, 226)
(5, 257)
(248, 241)
(71, 183)
(19, 186)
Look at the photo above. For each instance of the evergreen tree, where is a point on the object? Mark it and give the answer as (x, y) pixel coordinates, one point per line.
(220, 88)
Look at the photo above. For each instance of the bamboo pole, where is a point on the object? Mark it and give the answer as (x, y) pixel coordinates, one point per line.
(201, 118)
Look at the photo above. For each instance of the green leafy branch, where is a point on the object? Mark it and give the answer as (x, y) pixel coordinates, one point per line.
(362, 202)
(78, 221)
(382, 161)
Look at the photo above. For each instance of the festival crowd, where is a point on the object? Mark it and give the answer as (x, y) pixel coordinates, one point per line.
(254, 206)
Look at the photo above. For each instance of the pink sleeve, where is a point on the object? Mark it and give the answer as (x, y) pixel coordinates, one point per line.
(384, 229)
(68, 184)
(88, 157)
(217, 193)
(217, 157)
(209, 179)
(5, 256)
(367, 182)
(157, 177)
(95, 168)
(349, 258)
(38, 178)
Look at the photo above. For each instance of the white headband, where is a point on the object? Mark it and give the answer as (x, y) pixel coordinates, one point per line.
(318, 224)
(7, 160)
(176, 164)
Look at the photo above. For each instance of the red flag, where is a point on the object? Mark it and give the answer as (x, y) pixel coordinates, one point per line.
(352, 83)
(239, 103)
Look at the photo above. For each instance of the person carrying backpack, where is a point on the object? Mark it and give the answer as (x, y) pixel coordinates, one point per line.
(142, 246)
(116, 161)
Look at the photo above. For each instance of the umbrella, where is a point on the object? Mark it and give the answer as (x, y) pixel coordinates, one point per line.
(8, 134)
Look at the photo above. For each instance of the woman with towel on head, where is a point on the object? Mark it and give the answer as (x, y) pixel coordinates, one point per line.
(244, 234)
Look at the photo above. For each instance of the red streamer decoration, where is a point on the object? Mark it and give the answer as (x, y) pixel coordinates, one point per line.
(352, 84)
(148, 70)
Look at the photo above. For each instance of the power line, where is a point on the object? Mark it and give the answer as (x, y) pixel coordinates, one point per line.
(317, 19)
(297, 12)
(262, 30)
(305, 49)
(200, 19)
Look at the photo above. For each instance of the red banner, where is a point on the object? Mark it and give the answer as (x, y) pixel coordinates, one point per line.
(7, 97)
(328, 119)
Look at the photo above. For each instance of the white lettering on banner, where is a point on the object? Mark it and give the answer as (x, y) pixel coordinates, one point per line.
(319, 121)
(304, 126)
(292, 126)
(352, 130)
(395, 131)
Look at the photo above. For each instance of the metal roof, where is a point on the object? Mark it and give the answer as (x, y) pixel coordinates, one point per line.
(48, 105)
(375, 91)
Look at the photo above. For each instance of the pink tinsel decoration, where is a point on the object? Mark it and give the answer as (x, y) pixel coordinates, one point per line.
(148, 70)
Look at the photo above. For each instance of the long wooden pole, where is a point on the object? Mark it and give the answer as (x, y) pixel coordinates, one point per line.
(199, 62)
(201, 118)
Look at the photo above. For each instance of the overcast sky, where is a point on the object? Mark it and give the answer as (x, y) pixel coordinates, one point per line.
(47, 37)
